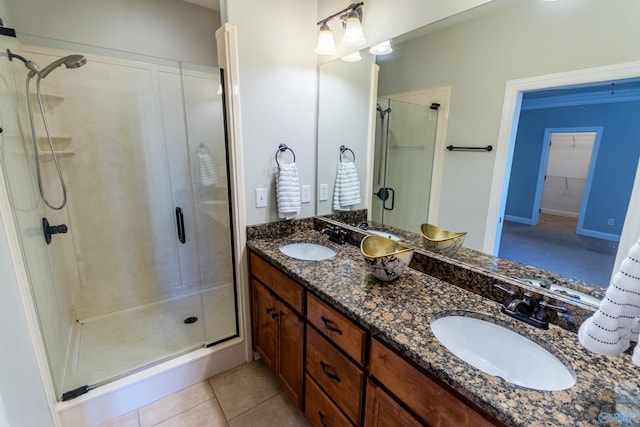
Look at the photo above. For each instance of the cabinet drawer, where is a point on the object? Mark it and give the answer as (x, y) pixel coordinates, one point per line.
(283, 286)
(349, 337)
(319, 409)
(335, 374)
(430, 401)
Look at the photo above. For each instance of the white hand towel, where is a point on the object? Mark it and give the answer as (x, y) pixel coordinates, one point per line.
(207, 171)
(288, 192)
(347, 188)
(617, 320)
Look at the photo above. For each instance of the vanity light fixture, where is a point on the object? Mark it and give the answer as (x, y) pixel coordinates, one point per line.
(351, 18)
(353, 31)
(326, 44)
(383, 48)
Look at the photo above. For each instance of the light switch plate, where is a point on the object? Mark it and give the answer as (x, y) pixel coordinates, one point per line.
(306, 193)
(261, 198)
(324, 192)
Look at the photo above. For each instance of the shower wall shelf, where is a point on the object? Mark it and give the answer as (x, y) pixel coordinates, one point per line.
(60, 143)
(49, 99)
(47, 156)
(214, 202)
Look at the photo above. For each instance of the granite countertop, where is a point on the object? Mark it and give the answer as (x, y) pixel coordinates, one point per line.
(399, 313)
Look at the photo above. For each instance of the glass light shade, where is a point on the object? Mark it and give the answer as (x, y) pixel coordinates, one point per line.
(352, 57)
(353, 32)
(381, 48)
(326, 44)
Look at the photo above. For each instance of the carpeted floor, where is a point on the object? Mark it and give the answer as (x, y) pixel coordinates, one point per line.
(554, 245)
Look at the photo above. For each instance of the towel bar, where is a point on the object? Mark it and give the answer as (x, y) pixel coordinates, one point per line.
(452, 148)
(343, 149)
(281, 149)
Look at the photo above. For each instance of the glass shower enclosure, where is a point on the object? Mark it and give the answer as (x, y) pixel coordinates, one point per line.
(403, 163)
(144, 272)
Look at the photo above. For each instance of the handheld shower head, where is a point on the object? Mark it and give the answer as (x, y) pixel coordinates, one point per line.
(32, 66)
(71, 61)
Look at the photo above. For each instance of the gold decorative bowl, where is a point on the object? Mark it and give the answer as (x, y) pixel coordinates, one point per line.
(386, 258)
(442, 241)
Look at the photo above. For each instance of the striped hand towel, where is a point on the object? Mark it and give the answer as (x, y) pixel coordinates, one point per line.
(207, 171)
(617, 321)
(347, 188)
(288, 192)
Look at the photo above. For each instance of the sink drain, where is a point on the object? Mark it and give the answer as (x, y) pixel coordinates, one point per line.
(190, 320)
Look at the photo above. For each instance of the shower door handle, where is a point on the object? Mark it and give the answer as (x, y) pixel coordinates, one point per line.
(180, 224)
(384, 194)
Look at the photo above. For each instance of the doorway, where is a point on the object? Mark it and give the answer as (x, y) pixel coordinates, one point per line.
(511, 120)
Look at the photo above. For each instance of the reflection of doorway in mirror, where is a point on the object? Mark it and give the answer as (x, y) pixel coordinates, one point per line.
(567, 174)
(609, 159)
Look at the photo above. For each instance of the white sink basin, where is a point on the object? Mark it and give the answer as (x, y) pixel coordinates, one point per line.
(307, 251)
(386, 234)
(503, 353)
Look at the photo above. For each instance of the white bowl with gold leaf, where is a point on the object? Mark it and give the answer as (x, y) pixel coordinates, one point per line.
(386, 258)
(442, 241)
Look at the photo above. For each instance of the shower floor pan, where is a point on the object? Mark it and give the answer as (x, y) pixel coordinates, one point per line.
(110, 347)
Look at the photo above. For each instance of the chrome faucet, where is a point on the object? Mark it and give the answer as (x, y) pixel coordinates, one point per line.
(336, 234)
(525, 309)
(363, 225)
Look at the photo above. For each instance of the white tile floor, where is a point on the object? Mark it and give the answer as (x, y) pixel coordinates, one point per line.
(246, 396)
(113, 345)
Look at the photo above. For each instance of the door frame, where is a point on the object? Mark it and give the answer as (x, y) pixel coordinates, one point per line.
(506, 138)
(544, 162)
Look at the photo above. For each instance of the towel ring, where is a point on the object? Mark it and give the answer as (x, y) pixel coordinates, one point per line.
(343, 149)
(281, 149)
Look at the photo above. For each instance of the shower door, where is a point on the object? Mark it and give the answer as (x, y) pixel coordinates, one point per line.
(144, 273)
(403, 163)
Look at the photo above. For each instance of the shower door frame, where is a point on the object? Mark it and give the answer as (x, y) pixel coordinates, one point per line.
(440, 95)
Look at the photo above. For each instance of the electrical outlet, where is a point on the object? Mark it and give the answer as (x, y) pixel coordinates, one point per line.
(324, 192)
(261, 198)
(306, 193)
(610, 221)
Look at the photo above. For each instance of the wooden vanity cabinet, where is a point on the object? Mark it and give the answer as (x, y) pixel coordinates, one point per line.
(340, 360)
(384, 411)
(278, 325)
(432, 404)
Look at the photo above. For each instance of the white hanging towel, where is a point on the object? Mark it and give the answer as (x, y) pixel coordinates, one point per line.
(617, 320)
(347, 188)
(288, 192)
(208, 174)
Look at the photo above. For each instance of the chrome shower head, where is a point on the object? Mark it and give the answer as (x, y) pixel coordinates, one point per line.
(71, 61)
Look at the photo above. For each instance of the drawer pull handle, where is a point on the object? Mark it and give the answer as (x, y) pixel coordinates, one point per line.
(269, 310)
(322, 420)
(274, 315)
(331, 375)
(329, 326)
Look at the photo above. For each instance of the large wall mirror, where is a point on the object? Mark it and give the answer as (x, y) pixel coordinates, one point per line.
(505, 67)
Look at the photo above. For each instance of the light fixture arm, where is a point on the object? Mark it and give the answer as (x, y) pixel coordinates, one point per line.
(342, 14)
